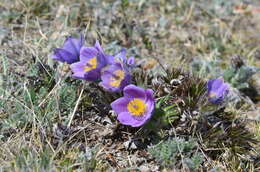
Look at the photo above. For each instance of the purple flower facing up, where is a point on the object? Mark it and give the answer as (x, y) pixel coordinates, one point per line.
(92, 60)
(115, 77)
(217, 90)
(136, 107)
(70, 51)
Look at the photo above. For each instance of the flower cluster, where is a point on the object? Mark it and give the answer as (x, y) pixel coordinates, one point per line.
(113, 73)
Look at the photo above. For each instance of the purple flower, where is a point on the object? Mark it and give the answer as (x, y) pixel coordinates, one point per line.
(136, 107)
(70, 51)
(131, 61)
(92, 60)
(217, 90)
(115, 77)
(121, 57)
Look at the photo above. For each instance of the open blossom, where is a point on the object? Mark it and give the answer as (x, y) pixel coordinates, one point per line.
(217, 90)
(92, 60)
(70, 51)
(136, 107)
(115, 77)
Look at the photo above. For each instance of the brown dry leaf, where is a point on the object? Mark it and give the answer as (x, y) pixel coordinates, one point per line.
(149, 64)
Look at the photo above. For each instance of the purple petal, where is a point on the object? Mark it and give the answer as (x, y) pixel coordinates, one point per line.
(120, 105)
(117, 66)
(121, 55)
(92, 75)
(109, 59)
(101, 61)
(223, 90)
(57, 56)
(132, 91)
(214, 84)
(131, 61)
(77, 67)
(105, 77)
(127, 119)
(149, 100)
(64, 56)
(98, 46)
(149, 94)
(78, 70)
(126, 81)
(112, 68)
(79, 75)
(209, 84)
(72, 45)
(81, 41)
(88, 52)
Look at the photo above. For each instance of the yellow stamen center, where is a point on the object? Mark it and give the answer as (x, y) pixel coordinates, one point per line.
(117, 78)
(136, 107)
(91, 64)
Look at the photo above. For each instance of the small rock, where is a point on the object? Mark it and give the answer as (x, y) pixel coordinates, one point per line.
(144, 168)
(3, 33)
(130, 145)
(88, 153)
(175, 82)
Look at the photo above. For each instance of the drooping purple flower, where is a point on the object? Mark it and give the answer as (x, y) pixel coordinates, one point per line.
(131, 61)
(92, 60)
(217, 90)
(121, 57)
(115, 77)
(70, 51)
(136, 107)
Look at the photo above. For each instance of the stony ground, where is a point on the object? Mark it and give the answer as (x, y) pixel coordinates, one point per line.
(38, 97)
